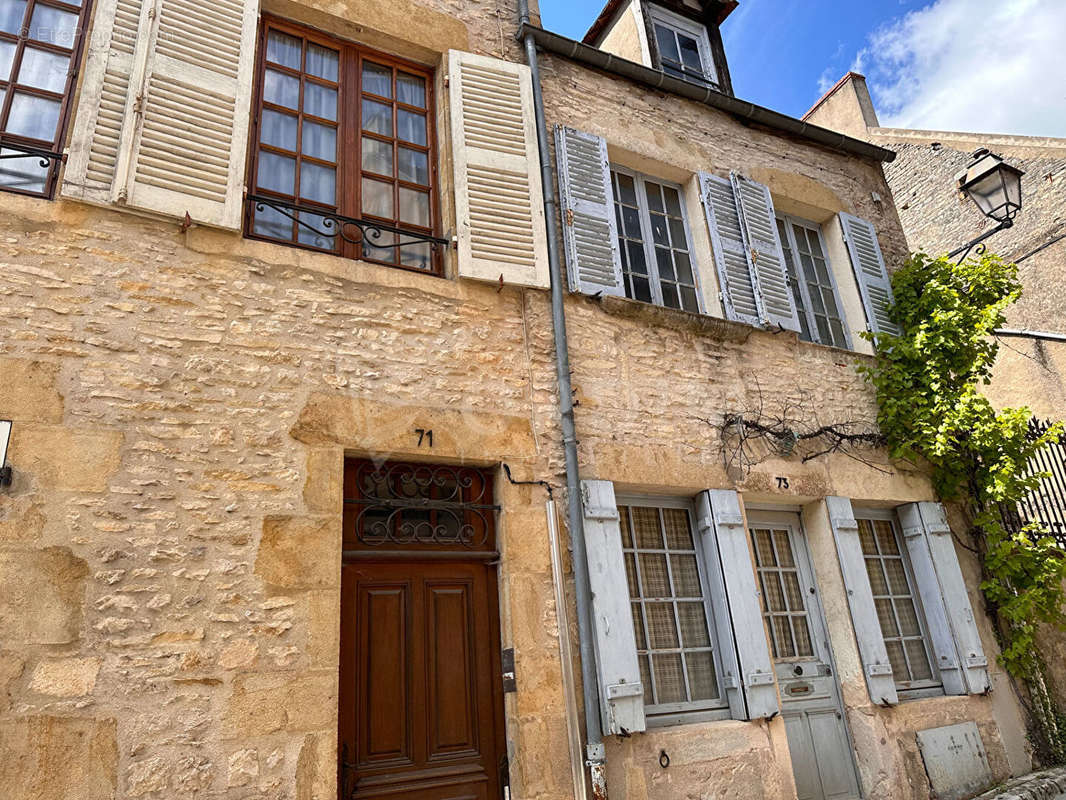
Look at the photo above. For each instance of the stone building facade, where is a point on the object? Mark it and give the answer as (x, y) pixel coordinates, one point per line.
(260, 541)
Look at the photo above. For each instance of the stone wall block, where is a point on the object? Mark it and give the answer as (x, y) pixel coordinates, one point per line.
(300, 552)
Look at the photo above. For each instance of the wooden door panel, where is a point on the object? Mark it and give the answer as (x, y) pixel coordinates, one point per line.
(385, 675)
(419, 682)
(452, 708)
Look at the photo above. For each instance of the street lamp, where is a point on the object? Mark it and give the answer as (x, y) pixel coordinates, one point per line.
(996, 188)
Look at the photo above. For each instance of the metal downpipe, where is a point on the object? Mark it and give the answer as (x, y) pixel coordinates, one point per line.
(583, 592)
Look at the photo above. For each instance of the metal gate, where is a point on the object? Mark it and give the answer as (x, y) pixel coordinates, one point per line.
(1047, 503)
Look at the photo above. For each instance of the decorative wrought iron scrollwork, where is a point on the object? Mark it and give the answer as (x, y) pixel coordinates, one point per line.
(423, 505)
(45, 157)
(331, 225)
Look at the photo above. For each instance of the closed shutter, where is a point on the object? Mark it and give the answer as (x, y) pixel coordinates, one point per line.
(94, 145)
(730, 253)
(868, 634)
(752, 647)
(956, 641)
(727, 648)
(593, 263)
(765, 255)
(621, 690)
(870, 272)
(498, 202)
(183, 134)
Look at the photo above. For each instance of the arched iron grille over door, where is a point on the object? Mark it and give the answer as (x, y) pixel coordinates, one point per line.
(398, 506)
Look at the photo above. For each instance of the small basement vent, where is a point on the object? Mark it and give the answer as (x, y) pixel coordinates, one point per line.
(955, 761)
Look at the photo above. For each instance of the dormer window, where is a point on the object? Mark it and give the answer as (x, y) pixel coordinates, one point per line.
(684, 47)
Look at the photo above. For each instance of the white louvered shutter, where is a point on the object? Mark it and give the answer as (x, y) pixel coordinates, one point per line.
(593, 263)
(727, 648)
(163, 121)
(876, 665)
(94, 145)
(730, 252)
(621, 689)
(766, 258)
(952, 628)
(752, 646)
(868, 264)
(498, 202)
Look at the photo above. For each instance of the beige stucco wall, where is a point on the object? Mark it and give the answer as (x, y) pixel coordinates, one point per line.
(626, 36)
(183, 403)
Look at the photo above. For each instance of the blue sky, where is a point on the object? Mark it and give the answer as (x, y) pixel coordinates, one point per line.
(993, 66)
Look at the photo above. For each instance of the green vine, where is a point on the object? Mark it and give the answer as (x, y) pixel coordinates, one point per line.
(929, 383)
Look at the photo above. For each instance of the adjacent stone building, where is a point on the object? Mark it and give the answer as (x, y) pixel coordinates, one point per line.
(289, 513)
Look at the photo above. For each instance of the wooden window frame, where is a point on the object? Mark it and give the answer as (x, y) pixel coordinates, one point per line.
(906, 690)
(691, 710)
(66, 98)
(798, 280)
(648, 239)
(349, 155)
(675, 23)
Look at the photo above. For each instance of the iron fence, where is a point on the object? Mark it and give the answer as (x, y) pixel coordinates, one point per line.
(1047, 502)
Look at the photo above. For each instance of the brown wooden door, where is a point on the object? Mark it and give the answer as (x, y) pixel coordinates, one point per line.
(420, 702)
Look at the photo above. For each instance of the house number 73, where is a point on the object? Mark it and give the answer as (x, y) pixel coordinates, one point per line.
(424, 435)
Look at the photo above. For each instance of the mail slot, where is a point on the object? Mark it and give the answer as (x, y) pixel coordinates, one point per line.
(795, 689)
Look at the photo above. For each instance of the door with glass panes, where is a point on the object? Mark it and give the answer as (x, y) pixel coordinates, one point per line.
(822, 758)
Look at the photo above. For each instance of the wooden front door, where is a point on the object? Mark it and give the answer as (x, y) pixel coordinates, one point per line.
(418, 682)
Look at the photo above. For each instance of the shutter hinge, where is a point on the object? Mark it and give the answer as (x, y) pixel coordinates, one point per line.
(570, 217)
(138, 104)
(447, 81)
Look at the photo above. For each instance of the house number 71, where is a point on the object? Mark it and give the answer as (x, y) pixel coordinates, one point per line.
(424, 435)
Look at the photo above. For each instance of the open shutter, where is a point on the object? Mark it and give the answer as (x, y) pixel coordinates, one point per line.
(753, 650)
(593, 263)
(868, 634)
(177, 119)
(765, 255)
(94, 145)
(952, 627)
(870, 273)
(621, 690)
(730, 253)
(727, 648)
(498, 202)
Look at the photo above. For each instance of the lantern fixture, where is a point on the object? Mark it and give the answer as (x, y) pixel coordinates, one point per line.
(996, 188)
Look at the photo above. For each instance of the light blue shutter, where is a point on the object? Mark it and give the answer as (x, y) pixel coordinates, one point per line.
(753, 649)
(621, 690)
(730, 253)
(868, 634)
(593, 263)
(765, 256)
(952, 627)
(719, 599)
(868, 264)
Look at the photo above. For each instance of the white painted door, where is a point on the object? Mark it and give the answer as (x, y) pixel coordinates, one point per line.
(822, 758)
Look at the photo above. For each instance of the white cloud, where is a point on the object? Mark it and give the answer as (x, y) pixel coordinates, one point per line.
(990, 66)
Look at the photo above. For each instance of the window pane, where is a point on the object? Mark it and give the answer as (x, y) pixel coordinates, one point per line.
(318, 183)
(381, 253)
(908, 619)
(411, 89)
(689, 302)
(877, 576)
(775, 596)
(886, 617)
(654, 581)
(319, 141)
(784, 549)
(686, 576)
(322, 61)
(866, 537)
(277, 173)
(271, 222)
(897, 580)
(645, 678)
(12, 12)
(898, 661)
(642, 289)
(693, 625)
(284, 49)
(315, 237)
(701, 678)
(281, 89)
(377, 117)
(7, 56)
(26, 174)
(792, 591)
(764, 549)
(662, 629)
(53, 26)
(673, 206)
(646, 527)
(33, 117)
(377, 80)
(626, 192)
(783, 636)
(623, 520)
(411, 127)
(631, 222)
(414, 207)
(419, 256)
(653, 193)
(377, 199)
(377, 156)
(886, 537)
(320, 101)
(664, 37)
(684, 268)
(919, 660)
(669, 677)
(665, 264)
(690, 53)
(678, 530)
(278, 129)
(803, 637)
(414, 166)
(638, 625)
